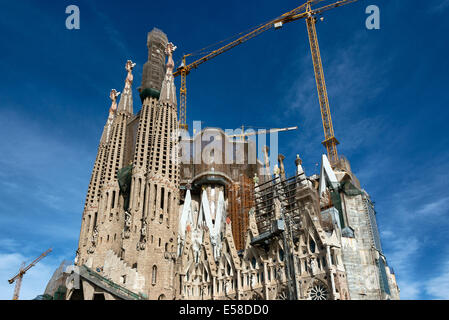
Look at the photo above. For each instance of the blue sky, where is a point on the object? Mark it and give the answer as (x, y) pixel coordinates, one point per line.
(387, 90)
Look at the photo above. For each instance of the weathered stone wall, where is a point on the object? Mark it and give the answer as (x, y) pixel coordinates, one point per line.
(359, 253)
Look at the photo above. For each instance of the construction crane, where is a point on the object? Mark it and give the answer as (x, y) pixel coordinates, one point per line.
(19, 276)
(243, 134)
(305, 11)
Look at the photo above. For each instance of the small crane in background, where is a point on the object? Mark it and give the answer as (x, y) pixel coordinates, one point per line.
(19, 276)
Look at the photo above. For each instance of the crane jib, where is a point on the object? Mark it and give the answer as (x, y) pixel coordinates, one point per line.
(303, 11)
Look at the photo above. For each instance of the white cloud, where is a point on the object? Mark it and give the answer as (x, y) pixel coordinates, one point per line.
(409, 217)
(8, 244)
(438, 286)
(350, 82)
(401, 254)
(401, 251)
(41, 166)
(435, 207)
(410, 290)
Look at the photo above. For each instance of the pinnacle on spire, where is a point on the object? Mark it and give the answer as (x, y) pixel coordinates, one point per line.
(126, 101)
(112, 111)
(168, 90)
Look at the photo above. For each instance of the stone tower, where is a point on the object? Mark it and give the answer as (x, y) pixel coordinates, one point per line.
(131, 227)
(154, 190)
(103, 217)
(154, 69)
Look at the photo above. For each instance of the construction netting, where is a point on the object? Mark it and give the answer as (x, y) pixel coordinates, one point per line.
(349, 189)
(124, 177)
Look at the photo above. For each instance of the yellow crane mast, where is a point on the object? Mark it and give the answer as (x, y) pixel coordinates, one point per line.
(304, 11)
(19, 276)
(330, 142)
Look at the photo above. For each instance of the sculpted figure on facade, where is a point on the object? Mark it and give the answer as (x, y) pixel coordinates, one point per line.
(127, 219)
(129, 78)
(113, 95)
(170, 63)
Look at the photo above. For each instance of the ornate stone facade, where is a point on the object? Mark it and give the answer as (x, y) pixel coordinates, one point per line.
(163, 229)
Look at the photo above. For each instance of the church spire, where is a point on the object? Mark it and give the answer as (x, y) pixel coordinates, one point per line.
(168, 91)
(126, 101)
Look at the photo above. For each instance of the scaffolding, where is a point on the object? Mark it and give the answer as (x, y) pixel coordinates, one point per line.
(241, 199)
(278, 213)
(283, 193)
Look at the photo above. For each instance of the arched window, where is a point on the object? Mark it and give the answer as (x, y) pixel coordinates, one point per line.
(281, 255)
(162, 198)
(154, 275)
(113, 200)
(254, 262)
(312, 245)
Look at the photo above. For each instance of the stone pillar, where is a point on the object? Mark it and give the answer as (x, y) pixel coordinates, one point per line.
(331, 270)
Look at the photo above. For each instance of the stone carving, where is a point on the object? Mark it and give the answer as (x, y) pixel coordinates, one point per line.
(93, 240)
(144, 227)
(253, 280)
(276, 170)
(77, 256)
(282, 294)
(143, 235)
(113, 95)
(313, 266)
(127, 228)
(256, 179)
(227, 286)
(318, 292)
(129, 78)
(325, 200)
(168, 92)
(127, 219)
(94, 236)
(170, 63)
(279, 273)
